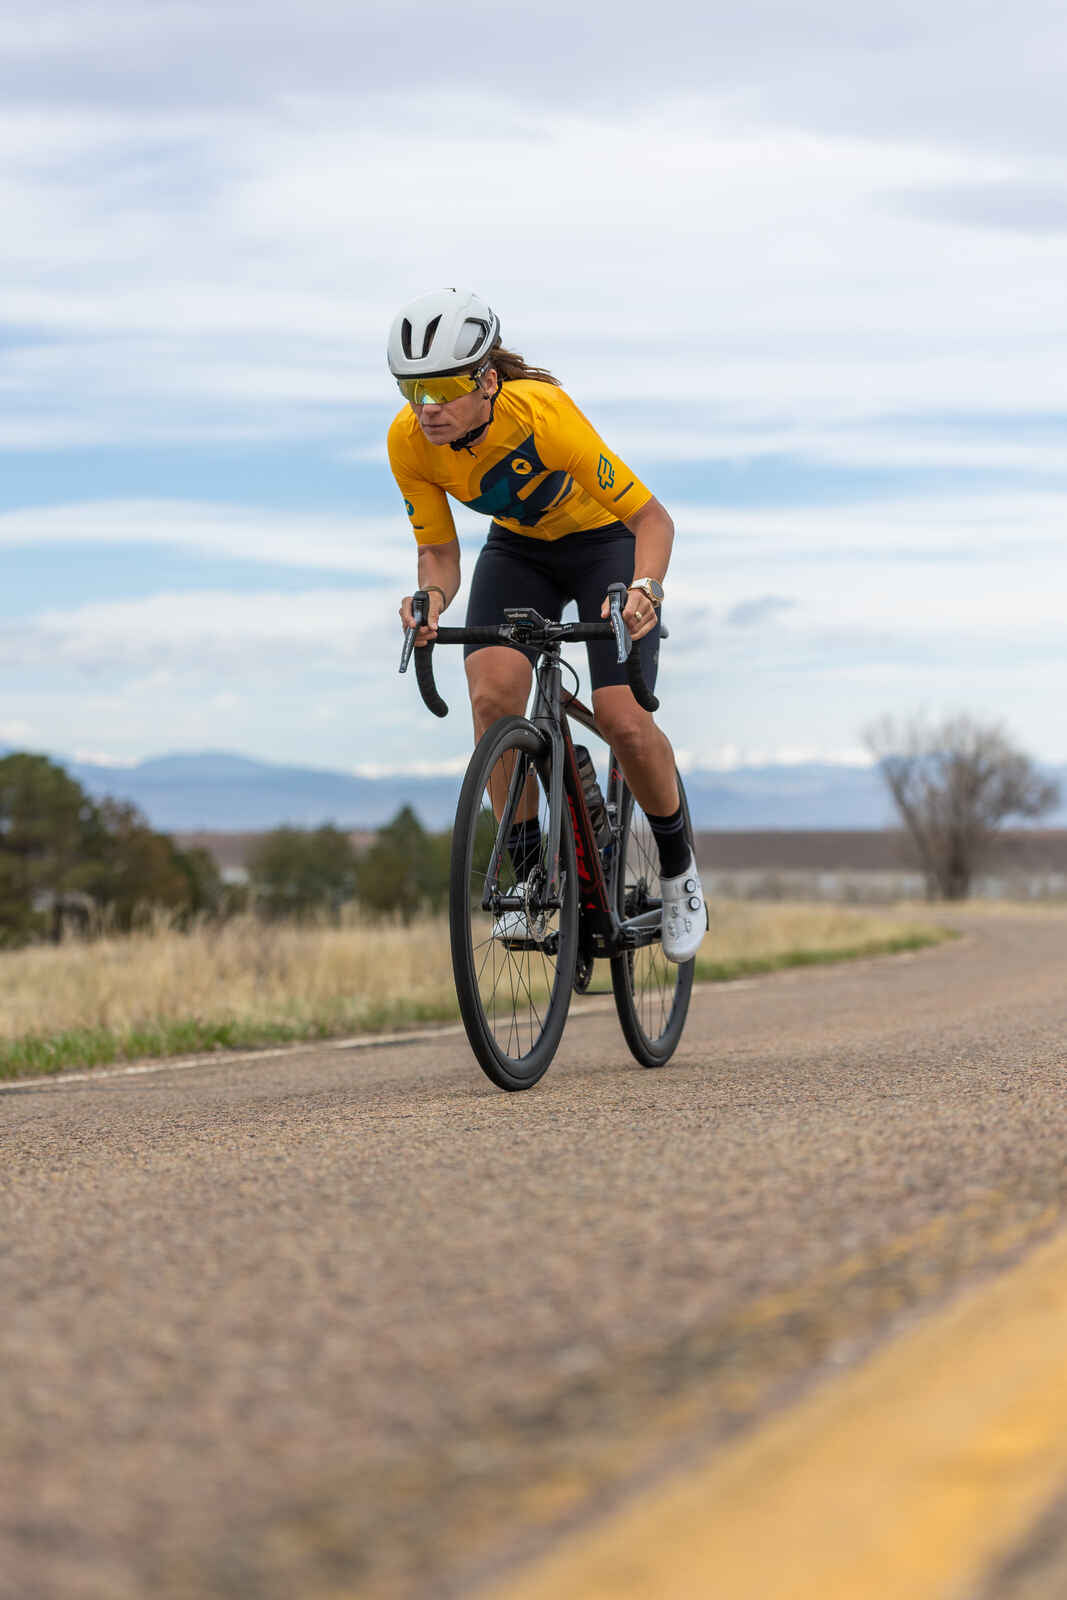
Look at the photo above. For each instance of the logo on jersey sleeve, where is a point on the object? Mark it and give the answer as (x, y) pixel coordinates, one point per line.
(605, 473)
(419, 527)
(520, 487)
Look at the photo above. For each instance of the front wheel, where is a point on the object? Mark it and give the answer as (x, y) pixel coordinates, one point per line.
(513, 964)
(651, 993)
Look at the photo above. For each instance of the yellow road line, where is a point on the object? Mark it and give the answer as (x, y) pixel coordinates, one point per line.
(900, 1480)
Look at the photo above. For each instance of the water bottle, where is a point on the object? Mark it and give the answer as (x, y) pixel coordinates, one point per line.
(594, 800)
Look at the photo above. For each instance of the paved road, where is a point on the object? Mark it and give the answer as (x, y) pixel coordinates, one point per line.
(334, 1321)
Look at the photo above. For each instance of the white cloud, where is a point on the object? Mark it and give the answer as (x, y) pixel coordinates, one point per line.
(230, 272)
(379, 548)
(960, 530)
(760, 608)
(217, 637)
(103, 758)
(954, 69)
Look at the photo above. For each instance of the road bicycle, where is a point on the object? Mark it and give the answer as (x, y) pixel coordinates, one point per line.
(549, 875)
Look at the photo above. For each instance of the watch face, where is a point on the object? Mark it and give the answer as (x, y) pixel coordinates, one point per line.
(653, 589)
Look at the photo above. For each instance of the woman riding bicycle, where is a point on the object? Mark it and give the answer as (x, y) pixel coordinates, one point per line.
(569, 518)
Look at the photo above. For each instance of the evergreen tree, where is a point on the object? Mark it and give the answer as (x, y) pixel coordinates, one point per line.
(295, 872)
(58, 850)
(406, 869)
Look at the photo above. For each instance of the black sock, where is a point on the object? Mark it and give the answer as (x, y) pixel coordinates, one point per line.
(672, 843)
(524, 847)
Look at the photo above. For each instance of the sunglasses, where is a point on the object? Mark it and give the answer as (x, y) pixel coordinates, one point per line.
(439, 391)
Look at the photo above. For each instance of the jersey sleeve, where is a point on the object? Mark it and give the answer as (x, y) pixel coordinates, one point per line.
(426, 503)
(594, 467)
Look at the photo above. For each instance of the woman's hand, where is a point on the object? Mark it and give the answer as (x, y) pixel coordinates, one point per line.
(438, 574)
(638, 613)
(428, 631)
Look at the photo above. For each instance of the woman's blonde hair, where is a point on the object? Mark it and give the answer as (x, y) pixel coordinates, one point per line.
(509, 366)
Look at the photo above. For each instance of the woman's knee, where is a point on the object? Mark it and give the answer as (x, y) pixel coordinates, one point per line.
(624, 724)
(499, 685)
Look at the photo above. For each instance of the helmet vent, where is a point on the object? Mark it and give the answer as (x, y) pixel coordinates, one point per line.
(472, 336)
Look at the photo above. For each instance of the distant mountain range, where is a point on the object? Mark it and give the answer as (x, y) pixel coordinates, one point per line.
(215, 790)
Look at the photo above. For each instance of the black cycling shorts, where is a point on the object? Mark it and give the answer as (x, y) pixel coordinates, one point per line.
(515, 570)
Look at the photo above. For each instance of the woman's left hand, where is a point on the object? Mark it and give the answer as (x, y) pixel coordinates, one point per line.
(639, 614)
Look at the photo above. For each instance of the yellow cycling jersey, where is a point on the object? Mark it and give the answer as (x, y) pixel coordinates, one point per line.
(540, 469)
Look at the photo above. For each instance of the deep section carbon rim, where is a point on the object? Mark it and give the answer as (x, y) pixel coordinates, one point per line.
(513, 965)
(651, 993)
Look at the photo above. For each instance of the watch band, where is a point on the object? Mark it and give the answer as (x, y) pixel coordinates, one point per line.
(649, 588)
(439, 590)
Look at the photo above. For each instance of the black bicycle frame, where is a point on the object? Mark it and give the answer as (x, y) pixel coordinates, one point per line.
(603, 930)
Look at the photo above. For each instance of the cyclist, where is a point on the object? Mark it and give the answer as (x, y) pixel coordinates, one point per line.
(568, 519)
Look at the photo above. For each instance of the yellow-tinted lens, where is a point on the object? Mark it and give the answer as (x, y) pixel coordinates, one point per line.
(436, 391)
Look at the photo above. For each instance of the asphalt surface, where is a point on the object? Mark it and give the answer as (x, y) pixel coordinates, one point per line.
(352, 1322)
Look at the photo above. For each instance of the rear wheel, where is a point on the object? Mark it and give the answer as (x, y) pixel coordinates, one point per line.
(651, 993)
(514, 967)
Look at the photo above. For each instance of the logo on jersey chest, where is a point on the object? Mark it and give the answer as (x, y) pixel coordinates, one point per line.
(520, 487)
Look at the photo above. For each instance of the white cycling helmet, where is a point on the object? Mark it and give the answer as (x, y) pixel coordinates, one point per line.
(446, 331)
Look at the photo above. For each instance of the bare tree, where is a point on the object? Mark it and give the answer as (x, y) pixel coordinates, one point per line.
(953, 784)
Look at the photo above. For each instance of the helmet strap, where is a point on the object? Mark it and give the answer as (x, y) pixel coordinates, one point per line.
(475, 433)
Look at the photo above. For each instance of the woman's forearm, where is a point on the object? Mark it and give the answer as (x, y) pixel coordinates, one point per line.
(439, 566)
(653, 533)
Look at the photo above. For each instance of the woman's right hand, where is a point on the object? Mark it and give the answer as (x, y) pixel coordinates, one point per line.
(428, 631)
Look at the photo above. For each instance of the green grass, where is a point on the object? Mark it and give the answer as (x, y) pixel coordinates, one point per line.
(80, 1048)
(749, 966)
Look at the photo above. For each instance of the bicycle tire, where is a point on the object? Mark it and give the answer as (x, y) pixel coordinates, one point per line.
(513, 1001)
(651, 993)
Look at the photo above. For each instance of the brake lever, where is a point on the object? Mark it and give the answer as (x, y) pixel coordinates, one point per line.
(616, 598)
(420, 610)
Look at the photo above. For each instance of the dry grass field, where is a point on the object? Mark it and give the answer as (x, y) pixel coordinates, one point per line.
(160, 991)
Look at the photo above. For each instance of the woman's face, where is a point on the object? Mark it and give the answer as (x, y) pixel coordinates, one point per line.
(443, 424)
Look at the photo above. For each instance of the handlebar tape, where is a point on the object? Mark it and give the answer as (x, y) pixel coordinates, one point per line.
(641, 692)
(424, 679)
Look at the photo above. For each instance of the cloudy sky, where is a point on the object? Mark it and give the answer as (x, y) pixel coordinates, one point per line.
(802, 263)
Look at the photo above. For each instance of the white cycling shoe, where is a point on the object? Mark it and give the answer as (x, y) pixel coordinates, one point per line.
(512, 928)
(685, 916)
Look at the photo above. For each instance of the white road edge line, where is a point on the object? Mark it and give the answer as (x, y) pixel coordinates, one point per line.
(226, 1058)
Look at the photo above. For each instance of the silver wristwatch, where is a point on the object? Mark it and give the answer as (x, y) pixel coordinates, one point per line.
(650, 587)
